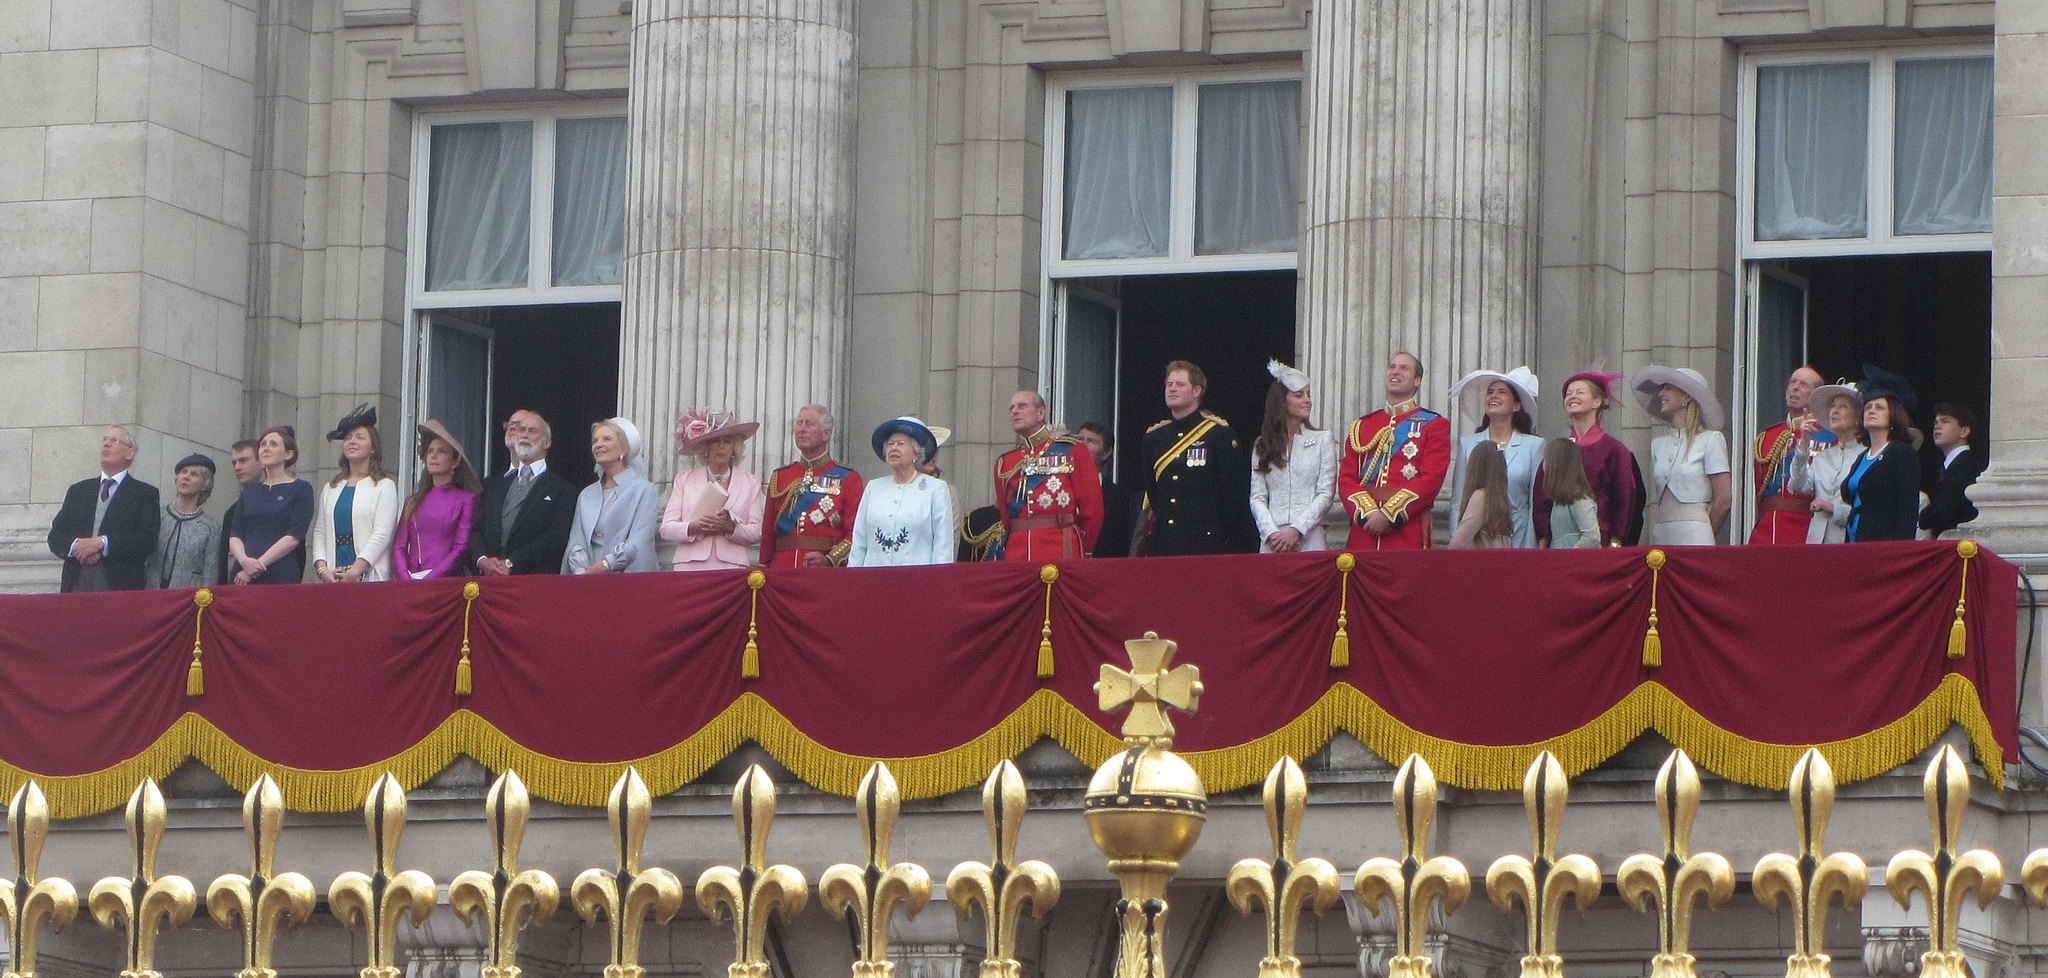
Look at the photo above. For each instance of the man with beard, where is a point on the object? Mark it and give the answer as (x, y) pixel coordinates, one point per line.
(523, 525)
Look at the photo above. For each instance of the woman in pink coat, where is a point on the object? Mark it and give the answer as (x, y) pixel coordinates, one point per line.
(714, 512)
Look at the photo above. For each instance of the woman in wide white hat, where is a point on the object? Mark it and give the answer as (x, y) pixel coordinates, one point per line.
(1502, 409)
(616, 515)
(714, 510)
(1688, 464)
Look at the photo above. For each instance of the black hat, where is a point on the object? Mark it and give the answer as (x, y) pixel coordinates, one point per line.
(364, 416)
(1879, 382)
(195, 459)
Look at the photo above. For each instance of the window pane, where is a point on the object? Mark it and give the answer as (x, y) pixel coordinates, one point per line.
(1119, 172)
(1942, 149)
(1247, 168)
(1812, 149)
(479, 190)
(590, 201)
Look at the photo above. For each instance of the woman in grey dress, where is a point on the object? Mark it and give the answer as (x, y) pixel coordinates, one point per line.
(189, 542)
(616, 516)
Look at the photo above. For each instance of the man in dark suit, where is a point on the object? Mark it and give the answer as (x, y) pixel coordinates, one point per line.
(1949, 505)
(523, 525)
(107, 527)
(1115, 538)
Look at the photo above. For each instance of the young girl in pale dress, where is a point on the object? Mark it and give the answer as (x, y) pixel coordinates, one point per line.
(1574, 516)
(1488, 517)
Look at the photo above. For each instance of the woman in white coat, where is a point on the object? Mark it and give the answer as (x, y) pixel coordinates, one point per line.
(1502, 409)
(355, 517)
(905, 520)
(1689, 463)
(714, 511)
(1840, 407)
(1294, 468)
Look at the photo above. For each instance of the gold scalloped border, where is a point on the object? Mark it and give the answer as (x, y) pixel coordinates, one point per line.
(1650, 706)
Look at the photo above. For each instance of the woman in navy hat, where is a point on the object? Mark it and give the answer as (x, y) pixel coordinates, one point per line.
(1883, 488)
(189, 542)
(356, 518)
(906, 519)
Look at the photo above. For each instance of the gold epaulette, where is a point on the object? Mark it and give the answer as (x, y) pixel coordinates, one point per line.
(1213, 416)
(1158, 426)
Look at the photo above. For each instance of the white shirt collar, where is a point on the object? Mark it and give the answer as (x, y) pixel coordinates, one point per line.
(1949, 459)
(118, 477)
(539, 465)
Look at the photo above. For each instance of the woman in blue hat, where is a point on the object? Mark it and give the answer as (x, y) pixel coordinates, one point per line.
(906, 519)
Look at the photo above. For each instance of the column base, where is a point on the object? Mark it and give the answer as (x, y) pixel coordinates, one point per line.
(2012, 509)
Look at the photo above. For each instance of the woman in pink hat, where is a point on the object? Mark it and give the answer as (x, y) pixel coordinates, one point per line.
(1610, 466)
(714, 511)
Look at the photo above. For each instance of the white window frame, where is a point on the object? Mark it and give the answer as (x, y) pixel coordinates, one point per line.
(1880, 240)
(1180, 255)
(539, 289)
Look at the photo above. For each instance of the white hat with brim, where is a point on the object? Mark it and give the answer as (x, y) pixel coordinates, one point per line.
(1824, 397)
(1470, 391)
(1652, 379)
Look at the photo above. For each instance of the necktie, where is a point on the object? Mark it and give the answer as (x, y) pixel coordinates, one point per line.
(526, 475)
(106, 489)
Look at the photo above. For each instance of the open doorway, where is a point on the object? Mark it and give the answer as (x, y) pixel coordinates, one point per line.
(1229, 323)
(481, 364)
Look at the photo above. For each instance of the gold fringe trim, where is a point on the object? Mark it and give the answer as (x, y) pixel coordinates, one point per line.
(1340, 644)
(195, 675)
(1649, 706)
(1958, 635)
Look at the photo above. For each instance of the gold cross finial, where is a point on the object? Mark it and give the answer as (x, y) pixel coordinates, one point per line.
(1152, 684)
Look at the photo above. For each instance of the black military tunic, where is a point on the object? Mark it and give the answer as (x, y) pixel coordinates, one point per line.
(1197, 482)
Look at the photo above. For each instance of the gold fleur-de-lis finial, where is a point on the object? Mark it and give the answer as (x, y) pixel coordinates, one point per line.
(1002, 886)
(1416, 880)
(264, 898)
(1676, 878)
(383, 898)
(628, 895)
(1286, 885)
(26, 901)
(1152, 684)
(142, 901)
(1809, 880)
(871, 893)
(754, 891)
(1543, 879)
(1945, 878)
(506, 898)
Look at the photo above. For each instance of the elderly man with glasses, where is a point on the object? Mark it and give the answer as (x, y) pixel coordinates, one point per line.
(523, 525)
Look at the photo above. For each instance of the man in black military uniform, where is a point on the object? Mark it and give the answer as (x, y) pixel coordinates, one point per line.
(1196, 480)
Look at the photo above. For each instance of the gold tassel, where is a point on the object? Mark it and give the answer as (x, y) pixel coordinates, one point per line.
(1653, 644)
(463, 684)
(750, 657)
(195, 676)
(1958, 634)
(1048, 574)
(1340, 646)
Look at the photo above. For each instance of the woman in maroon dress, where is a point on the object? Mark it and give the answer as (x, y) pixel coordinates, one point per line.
(1610, 466)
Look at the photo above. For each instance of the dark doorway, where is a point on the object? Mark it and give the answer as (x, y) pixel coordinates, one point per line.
(1925, 316)
(1228, 323)
(559, 360)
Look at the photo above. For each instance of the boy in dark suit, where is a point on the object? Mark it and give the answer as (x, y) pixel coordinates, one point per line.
(1949, 505)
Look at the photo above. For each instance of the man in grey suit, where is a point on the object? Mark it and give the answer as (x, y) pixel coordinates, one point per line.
(523, 525)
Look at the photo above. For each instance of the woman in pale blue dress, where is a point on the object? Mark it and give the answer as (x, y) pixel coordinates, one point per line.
(907, 519)
(616, 516)
(1502, 407)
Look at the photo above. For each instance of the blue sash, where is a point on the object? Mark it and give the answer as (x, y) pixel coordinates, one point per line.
(1027, 484)
(1408, 427)
(785, 521)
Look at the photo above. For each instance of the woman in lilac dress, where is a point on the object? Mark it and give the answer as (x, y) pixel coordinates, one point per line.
(434, 527)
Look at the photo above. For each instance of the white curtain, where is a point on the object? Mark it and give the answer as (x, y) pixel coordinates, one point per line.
(1812, 150)
(590, 201)
(479, 190)
(1247, 168)
(1119, 172)
(1942, 159)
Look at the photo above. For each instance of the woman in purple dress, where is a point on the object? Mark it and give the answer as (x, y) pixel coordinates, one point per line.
(1610, 466)
(434, 526)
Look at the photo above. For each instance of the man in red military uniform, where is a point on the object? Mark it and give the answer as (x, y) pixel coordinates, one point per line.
(811, 501)
(1046, 490)
(1780, 456)
(1395, 460)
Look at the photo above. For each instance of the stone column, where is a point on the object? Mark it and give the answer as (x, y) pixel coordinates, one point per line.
(1421, 193)
(2012, 504)
(739, 215)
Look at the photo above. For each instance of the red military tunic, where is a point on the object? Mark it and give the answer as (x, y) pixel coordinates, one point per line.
(1050, 499)
(1395, 460)
(811, 505)
(1779, 457)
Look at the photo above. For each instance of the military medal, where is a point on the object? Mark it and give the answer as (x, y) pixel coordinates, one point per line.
(1408, 471)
